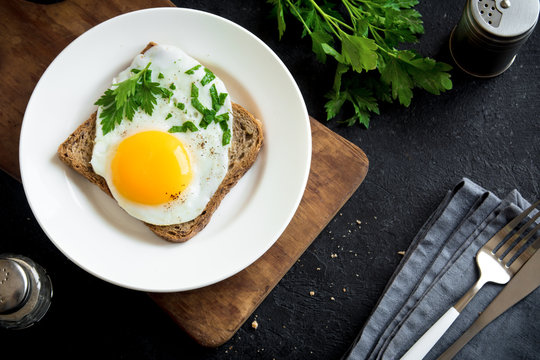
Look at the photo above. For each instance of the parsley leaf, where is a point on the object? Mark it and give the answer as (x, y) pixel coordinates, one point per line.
(280, 17)
(188, 125)
(222, 97)
(209, 115)
(362, 37)
(195, 99)
(146, 96)
(226, 138)
(193, 69)
(208, 77)
(123, 99)
(359, 52)
(318, 39)
(222, 118)
(217, 99)
(395, 74)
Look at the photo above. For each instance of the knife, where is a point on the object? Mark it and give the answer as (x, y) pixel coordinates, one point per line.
(522, 284)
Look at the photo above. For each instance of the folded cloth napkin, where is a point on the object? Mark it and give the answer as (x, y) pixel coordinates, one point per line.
(438, 268)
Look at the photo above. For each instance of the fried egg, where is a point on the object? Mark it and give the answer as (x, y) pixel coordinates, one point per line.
(157, 175)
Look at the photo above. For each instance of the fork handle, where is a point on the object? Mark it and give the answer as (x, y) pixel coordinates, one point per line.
(437, 330)
(430, 337)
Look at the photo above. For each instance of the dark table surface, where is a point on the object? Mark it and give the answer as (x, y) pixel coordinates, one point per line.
(486, 130)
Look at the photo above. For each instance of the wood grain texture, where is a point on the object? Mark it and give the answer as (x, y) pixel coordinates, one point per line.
(213, 314)
(31, 36)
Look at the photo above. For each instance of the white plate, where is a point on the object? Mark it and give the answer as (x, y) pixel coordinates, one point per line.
(88, 226)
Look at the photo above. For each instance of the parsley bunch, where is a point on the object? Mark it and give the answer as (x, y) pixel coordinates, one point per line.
(124, 98)
(363, 41)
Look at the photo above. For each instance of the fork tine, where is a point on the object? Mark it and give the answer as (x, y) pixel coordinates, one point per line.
(529, 251)
(501, 234)
(514, 237)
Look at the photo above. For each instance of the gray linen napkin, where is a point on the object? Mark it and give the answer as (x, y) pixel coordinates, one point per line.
(438, 268)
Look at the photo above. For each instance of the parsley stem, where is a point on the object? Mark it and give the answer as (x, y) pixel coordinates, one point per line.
(291, 5)
(356, 13)
(379, 40)
(331, 20)
(350, 11)
(355, 7)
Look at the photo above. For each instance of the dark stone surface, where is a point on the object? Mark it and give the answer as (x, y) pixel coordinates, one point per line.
(487, 130)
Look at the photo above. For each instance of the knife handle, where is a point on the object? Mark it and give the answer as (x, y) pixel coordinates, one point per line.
(430, 337)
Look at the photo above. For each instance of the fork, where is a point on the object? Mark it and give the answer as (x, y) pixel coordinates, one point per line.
(496, 263)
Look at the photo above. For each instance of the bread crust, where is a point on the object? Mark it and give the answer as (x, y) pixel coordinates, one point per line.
(76, 152)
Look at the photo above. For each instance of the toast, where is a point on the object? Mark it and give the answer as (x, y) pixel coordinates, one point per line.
(76, 152)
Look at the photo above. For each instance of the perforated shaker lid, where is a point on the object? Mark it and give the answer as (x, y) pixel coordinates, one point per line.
(13, 285)
(505, 18)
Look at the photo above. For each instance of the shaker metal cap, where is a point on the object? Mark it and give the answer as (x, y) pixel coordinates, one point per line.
(505, 18)
(13, 286)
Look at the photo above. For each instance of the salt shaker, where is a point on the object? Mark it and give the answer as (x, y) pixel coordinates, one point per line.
(489, 34)
(25, 292)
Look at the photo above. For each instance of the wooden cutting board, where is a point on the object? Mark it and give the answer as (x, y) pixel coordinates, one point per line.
(31, 36)
(213, 314)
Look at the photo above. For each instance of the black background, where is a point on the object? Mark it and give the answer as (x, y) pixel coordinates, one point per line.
(486, 130)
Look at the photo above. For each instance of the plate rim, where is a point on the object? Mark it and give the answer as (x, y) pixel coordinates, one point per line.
(275, 236)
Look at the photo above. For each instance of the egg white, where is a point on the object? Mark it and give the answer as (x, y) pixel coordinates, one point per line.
(208, 157)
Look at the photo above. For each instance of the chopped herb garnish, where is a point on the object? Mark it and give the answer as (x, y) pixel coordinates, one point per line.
(172, 87)
(223, 125)
(226, 133)
(195, 99)
(135, 71)
(217, 100)
(208, 77)
(126, 97)
(193, 69)
(166, 93)
(207, 119)
(226, 139)
(222, 118)
(215, 97)
(222, 97)
(194, 91)
(188, 125)
(181, 106)
(209, 115)
(169, 115)
(161, 76)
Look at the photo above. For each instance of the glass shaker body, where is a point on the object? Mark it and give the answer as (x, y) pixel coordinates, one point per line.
(25, 292)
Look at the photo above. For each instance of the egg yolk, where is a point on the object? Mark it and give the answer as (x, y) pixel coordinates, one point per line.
(151, 167)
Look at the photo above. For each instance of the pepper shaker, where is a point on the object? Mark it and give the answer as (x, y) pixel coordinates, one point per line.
(25, 292)
(489, 34)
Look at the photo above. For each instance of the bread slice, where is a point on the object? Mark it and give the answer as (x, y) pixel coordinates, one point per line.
(76, 152)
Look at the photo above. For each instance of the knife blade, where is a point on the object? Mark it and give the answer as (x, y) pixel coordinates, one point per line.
(521, 285)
